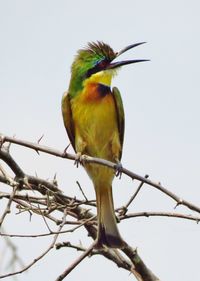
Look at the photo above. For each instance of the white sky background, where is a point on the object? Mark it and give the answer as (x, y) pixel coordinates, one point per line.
(38, 41)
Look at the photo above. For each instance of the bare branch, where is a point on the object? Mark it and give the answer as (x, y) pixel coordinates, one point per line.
(160, 214)
(5, 156)
(51, 202)
(82, 191)
(124, 209)
(76, 262)
(139, 269)
(40, 256)
(89, 159)
(7, 210)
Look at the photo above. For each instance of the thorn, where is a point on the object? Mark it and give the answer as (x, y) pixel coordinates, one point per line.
(40, 139)
(37, 151)
(178, 203)
(66, 148)
(55, 182)
(30, 216)
(176, 206)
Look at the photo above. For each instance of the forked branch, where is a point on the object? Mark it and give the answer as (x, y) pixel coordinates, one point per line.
(49, 201)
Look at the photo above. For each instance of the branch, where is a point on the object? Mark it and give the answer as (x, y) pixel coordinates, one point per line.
(54, 200)
(76, 262)
(5, 156)
(124, 209)
(139, 269)
(15, 258)
(137, 266)
(88, 159)
(111, 254)
(160, 214)
(7, 210)
(40, 256)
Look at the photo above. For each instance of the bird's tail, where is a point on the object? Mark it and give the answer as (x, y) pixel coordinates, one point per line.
(108, 233)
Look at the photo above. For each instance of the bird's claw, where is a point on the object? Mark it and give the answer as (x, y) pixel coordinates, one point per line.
(77, 161)
(118, 169)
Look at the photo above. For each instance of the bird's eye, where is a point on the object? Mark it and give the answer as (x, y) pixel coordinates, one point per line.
(101, 65)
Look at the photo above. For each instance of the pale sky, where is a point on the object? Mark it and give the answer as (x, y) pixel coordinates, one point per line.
(38, 41)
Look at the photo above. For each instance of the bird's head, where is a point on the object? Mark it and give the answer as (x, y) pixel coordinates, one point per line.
(95, 64)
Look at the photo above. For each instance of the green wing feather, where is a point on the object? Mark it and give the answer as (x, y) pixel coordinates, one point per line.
(67, 118)
(120, 114)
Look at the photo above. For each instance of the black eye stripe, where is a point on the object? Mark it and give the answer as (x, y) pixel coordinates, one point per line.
(92, 71)
(98, 67)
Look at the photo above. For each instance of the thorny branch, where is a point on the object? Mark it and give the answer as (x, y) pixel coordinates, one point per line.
(37, 196)
(88, 159)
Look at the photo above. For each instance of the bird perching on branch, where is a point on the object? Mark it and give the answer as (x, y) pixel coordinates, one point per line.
(93, 116)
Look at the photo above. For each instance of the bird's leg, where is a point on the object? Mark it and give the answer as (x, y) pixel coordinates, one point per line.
(80, 148)
(118, 168)
(116, 148)
(77, 160)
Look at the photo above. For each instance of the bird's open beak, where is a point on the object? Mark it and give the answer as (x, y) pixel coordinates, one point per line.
(121, 63)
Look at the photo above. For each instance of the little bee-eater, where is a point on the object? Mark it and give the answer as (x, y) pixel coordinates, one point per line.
(93, 116)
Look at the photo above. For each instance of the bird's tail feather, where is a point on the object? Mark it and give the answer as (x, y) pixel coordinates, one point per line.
(108, 233)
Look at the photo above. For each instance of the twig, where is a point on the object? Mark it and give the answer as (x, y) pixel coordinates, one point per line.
(8, 179)
(82, 191)
(76, 247)
(5, 156)
(124, 209)
(139, 269)
(76, 262)
(160, 214)
(15, 257)
(136, 193)
(78, 223)
(7, 209)
(40, 256)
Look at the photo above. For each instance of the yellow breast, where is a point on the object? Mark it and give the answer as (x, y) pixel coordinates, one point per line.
(95, 122)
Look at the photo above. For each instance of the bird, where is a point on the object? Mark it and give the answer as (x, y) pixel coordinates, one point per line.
(93, 116)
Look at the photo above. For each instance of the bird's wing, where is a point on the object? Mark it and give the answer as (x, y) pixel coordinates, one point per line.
(120, 113)
(67, 118)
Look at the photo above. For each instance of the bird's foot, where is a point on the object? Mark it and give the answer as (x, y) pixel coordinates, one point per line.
(78, 159)
(118, 169)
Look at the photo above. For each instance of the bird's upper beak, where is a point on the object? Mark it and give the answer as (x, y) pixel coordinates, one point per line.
(113, 65)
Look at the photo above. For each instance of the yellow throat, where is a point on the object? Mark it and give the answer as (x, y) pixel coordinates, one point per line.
(102, 77)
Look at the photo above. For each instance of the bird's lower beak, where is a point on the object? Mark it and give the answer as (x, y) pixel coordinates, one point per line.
(121, 63)
(125, 62)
